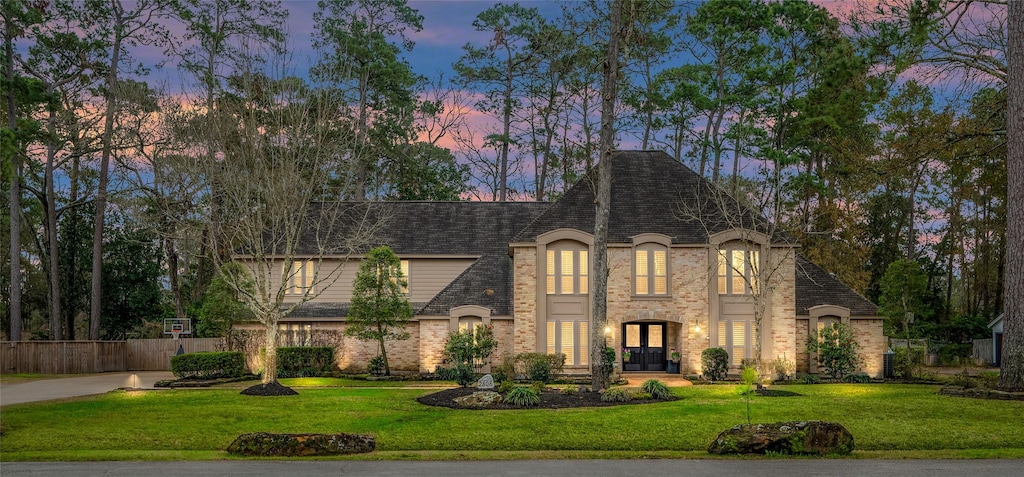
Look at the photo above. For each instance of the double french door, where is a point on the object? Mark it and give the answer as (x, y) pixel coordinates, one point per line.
(645, 343)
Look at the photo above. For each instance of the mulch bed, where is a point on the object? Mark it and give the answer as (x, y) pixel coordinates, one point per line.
(549, 399)
(776, 393)
(272, 389)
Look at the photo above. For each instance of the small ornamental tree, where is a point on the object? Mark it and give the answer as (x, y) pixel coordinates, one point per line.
(466, 347)
(379, 309)
(836, 349)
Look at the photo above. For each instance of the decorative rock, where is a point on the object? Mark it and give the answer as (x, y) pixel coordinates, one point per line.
(486, 382)
(793, 437)
(295, 445)
(479, 399)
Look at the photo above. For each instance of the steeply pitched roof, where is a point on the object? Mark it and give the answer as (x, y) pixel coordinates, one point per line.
(815, 286)
(651, 193)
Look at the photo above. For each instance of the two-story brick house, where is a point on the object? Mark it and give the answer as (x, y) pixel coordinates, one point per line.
(678, 281)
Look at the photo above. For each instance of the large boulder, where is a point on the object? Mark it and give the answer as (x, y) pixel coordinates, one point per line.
(479, 399)
(793, 437)
(295, 445)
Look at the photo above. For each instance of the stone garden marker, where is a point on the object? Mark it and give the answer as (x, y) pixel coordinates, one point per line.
(486, 382)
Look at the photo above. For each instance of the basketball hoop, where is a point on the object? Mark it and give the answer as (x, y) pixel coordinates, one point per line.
(177, 327)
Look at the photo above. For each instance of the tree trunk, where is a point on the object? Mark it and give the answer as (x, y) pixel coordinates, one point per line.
(15, 200)
(602, 210)
(101, 191)
(53, 259)
(507, 125)
(1011, 374)
(270, 351)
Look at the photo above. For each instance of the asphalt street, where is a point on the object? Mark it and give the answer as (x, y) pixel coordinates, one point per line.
(590, 468)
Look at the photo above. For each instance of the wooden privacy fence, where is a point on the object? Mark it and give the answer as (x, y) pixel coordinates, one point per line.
(74, 357)
(982, 352)
(155, 355)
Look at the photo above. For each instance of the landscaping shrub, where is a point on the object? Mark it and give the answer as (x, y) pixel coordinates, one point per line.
(537, 386)
(616, 395)
(376, 366)
(905, 365)
(607, 365)
(506, 371)
(836, 348)
(641, 395)
(989, 379)
(208, 365)
(954, 354)
(464, 374)
(522, 396)
(304, 361)
(541, 367)
(783, 368)
(714, 363)
(963, 379)
(570, 391)
(444, 374)
(657, 389)
(506, 386)
(812, 379)
(858, 378)
(466, 348)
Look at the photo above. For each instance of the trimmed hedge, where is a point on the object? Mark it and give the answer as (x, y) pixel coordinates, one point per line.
(715, 363)
(304, 361)
(209, 365)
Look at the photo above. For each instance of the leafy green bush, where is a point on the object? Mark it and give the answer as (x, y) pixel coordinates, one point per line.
(506, 386)
(641, 395)
(464, 374)
(541, 367)
(906, 364)
(657, 389)
(506, 371)
(377, 365)
(570, 391)
(714, 363)
(989, 379)
(607, 365)
(522, 396)
(444, 374)
(616, 395)
(836, 348)
(954, 354)
(812, 379)
(466, 348)
(304, 361)
(208, 365)
(784, 368)
(858, 378)
(537, 386)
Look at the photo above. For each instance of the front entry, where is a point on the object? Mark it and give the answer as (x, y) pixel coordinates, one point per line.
(645, 343)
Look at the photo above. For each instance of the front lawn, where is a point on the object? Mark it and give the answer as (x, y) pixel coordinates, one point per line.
(199, 424)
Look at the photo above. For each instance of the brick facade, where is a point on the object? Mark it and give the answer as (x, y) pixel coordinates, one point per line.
(525, 299)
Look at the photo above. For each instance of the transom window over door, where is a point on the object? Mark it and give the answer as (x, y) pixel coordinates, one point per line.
(650, 270)
(738, 271)
(568, 270)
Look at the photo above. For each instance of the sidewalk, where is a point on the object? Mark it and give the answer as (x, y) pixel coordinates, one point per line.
(47, 389)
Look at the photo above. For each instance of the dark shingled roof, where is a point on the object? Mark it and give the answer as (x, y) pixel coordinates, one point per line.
(815, 286)
(651, 193)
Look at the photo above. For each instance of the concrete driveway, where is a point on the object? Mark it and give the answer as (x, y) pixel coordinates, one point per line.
(60, 388)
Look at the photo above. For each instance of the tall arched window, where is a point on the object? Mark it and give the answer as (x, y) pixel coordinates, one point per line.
(568, 269)
(650, 270)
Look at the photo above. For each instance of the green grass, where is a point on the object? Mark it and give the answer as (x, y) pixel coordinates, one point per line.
(886, 421)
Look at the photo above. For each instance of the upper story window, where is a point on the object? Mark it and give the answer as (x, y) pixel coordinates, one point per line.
(738, 271)
(650, 270)
(404, 282)
(568, 270)
(299, 277)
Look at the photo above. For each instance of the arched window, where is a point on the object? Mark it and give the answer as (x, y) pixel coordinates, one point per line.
(650, 270)
(568, 269)
(738, 267)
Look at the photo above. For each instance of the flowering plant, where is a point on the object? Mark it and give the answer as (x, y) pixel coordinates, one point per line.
(626, 354)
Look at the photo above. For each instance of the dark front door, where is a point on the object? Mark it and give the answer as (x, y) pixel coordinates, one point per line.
(646, 345)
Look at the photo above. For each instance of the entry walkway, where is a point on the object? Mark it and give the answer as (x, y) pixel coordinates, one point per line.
(61, 388)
